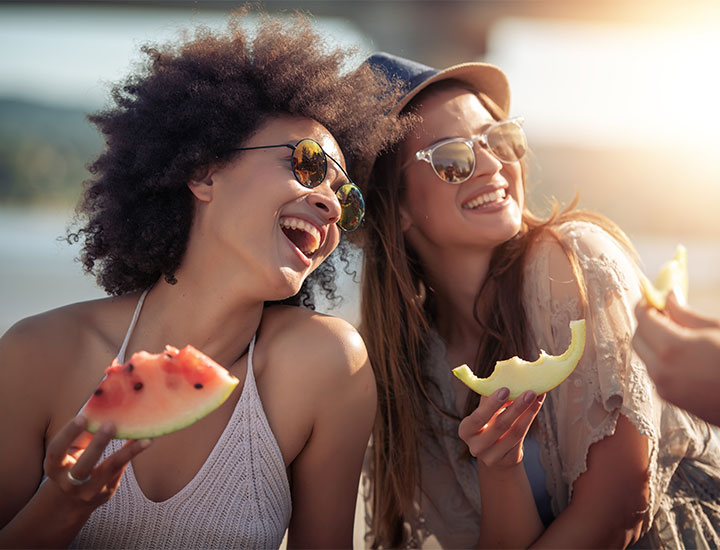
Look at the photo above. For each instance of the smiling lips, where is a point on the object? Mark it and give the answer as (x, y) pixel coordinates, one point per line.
(304, 235)
(486, 199)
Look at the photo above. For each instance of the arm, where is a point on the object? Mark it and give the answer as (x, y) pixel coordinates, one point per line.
(681, 351)
(605, 461)
(610, 500)
(494, 433)
(326, 473)
(48, 515)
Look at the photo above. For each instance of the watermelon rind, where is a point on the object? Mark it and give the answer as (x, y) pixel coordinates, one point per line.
(170, 427)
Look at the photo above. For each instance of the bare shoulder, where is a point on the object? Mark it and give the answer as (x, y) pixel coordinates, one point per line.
(46, 353)
(328, 348)
(54, 334)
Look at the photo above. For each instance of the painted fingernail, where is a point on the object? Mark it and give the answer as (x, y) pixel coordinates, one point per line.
(502, 394)
(529, 397)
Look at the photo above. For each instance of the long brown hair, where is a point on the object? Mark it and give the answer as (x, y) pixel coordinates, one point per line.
(396, 325)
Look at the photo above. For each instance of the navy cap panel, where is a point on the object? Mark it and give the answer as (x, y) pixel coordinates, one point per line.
(411, 73)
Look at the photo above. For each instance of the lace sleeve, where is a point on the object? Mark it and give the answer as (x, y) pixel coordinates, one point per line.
(610, 379)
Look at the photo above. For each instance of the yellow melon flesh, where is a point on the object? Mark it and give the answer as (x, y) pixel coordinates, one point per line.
(518, 375)
(673, 275)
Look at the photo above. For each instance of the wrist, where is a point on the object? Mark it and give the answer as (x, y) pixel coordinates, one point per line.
(497, 472)
(63, 515)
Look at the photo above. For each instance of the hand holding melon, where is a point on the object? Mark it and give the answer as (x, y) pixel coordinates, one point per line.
(518, 375)
(155, 394)
(673, 275)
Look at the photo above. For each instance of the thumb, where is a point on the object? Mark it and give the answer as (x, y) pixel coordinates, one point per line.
(684, 316)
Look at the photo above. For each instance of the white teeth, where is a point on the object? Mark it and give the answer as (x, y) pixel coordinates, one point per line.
(493, 196)
(310, 229)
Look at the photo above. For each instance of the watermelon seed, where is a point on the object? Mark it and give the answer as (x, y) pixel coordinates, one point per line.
(138, 386)
(97, 391)
(129, 367)
(168, 356)
(198, 386)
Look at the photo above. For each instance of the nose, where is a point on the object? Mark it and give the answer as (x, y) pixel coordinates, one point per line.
(324, 199)
(485, 161)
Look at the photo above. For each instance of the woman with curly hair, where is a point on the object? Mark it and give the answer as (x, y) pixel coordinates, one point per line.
(459, 270)
(221, 191)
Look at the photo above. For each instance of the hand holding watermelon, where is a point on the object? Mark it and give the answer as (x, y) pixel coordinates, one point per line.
(72, 462)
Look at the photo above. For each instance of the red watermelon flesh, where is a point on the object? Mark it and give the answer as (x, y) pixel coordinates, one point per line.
(155, 394)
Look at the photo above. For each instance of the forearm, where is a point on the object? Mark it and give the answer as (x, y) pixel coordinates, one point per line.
(575, 529)
(509, 516)
(46, 521)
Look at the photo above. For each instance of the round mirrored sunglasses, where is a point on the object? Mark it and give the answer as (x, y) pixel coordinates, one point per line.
(309, 165)
(453, 159)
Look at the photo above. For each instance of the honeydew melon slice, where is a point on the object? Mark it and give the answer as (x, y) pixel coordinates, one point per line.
(155, 394)
(672, 275)
(518, 375)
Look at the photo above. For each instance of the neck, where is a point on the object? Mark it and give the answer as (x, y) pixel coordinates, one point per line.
(456, 276)
(209, 309)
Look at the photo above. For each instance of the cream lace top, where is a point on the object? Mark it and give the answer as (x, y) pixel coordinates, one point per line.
(240, 497)
(610, 380)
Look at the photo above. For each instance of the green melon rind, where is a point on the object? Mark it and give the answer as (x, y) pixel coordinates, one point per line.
(175, 425)
(505, 372)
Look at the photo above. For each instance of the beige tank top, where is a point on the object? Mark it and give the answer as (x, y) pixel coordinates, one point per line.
(240, 497)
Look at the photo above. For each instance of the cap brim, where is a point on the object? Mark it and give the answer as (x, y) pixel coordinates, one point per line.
(483, 77)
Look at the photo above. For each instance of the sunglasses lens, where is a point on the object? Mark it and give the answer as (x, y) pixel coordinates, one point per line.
(453, 162)
(309, 163)
(353, 207)
(507, 142)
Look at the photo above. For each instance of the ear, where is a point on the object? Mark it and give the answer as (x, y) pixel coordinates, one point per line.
(201, 184)
(405, 219)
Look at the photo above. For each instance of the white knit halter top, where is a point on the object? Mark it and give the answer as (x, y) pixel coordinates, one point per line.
(240, 497)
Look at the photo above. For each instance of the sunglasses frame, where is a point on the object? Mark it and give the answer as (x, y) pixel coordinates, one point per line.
(340, 190)
(426, 154)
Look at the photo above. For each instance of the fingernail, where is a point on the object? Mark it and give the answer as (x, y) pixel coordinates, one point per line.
(145, 443)
(502, 394)
(80, 421)
(107, 428)
(529, 397)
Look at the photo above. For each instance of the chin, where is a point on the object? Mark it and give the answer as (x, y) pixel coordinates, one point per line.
(283, 284)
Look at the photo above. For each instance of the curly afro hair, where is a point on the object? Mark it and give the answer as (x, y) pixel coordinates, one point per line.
(186, 105)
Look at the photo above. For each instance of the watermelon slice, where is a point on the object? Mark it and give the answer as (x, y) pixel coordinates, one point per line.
(155, 394)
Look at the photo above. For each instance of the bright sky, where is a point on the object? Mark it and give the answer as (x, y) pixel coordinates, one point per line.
(574, 82)
(69, 55)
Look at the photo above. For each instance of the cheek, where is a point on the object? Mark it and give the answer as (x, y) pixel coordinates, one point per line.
(513, 175)
(423, 200)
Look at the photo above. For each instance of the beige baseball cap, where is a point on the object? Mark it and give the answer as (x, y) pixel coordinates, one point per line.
(415, 77)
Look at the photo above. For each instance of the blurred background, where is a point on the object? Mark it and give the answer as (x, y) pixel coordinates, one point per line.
(621, 100)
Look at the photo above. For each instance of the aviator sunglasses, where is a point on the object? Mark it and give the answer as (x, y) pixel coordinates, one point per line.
(453, 159)
(309, 165)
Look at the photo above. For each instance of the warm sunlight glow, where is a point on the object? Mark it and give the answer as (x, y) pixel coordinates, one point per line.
(645, 85)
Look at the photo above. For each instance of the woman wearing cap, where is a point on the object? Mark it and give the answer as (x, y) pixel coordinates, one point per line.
(458, 270)
(222, 190)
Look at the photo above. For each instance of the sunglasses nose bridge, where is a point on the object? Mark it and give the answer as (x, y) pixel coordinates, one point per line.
(483, 150)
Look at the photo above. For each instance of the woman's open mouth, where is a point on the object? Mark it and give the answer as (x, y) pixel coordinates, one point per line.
(304, 235)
